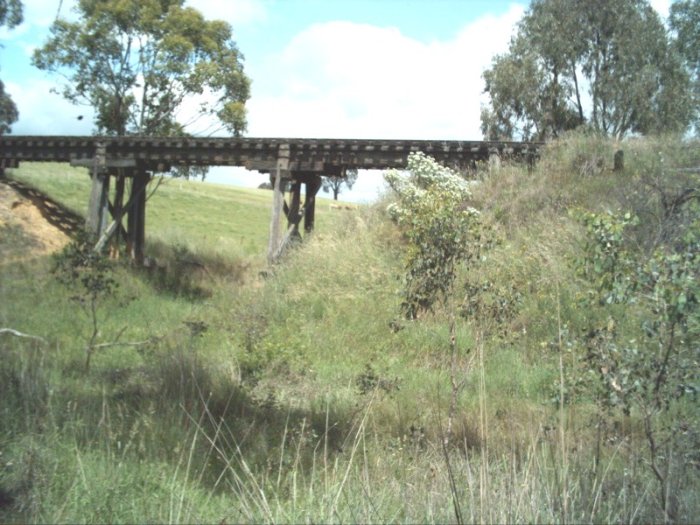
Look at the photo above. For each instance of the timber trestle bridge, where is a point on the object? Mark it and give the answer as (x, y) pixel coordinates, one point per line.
(293, 162)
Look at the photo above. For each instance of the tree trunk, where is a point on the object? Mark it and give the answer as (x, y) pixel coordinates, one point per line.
(578, 95)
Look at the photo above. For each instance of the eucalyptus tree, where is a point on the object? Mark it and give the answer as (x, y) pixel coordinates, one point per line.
(527, 100)
(8, 111)
(335, 184)
(684, 20)
(139, 63)
(10, 16)
(606, 64)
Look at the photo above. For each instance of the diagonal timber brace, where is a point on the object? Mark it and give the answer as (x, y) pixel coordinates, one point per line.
(99, 207)
(118, 211)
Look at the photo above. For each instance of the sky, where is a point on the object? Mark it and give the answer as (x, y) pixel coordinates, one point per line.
(383, 69)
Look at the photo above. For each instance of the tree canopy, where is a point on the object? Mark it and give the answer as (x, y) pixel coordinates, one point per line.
(684, 20)
(606, 64)
(8, 111)
(10, 13)
(140, 62)
(10, 16)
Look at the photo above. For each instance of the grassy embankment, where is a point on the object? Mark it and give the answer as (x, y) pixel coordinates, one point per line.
(303, 396)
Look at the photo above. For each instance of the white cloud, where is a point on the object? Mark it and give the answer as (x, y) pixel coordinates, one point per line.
(662, 7)
(16, 32)
(45, 113)
(342, 79)
(43, 13)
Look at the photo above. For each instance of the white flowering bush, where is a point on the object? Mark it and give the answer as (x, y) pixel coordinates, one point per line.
(442, 231)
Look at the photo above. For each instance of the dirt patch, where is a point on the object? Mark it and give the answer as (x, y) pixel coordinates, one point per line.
(31, 218)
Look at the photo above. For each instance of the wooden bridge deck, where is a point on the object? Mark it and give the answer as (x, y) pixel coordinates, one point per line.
(321, 156)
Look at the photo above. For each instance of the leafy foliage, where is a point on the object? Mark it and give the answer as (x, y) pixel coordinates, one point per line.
(684, 20)
(80, 265)
(89, 272)
(441, 229)
(527, 100)
(619, 49)
(10, 16)
(137, 62)
(8, 111)
(10, 13)
(492, 303)
(606, 264)
(667, 291)
(656, 373)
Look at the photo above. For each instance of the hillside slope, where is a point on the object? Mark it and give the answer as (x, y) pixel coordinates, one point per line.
(303, 395)
(35, 215)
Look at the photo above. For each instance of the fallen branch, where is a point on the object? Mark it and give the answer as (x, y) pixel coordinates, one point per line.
(126, 343)
(20, 334)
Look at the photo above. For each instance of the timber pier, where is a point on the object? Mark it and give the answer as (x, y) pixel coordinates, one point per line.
(294, 160)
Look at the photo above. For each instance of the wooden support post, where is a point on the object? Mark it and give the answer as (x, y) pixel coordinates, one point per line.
(313, 184)
(98, 207)
(281, 170)
(293, 216)
(7, 163)
(140, 244)
(117, 213)
(619, 160)
(131, 223)
(531, 157)
(136, 223)
(494, 162)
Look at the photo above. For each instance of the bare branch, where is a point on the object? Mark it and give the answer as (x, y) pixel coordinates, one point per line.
(126, 343)
(17, 333)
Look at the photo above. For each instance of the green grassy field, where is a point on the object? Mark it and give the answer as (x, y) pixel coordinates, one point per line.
(233, 222)
(301, 394)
